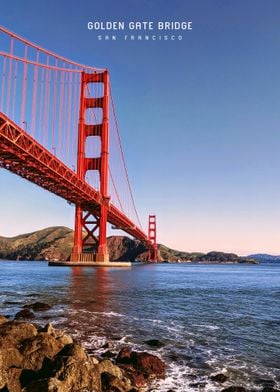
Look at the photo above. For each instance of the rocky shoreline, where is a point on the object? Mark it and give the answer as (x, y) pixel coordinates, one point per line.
(36, 358)
(39, 359)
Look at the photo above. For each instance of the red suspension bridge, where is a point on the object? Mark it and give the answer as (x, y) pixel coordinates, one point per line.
(59, 130)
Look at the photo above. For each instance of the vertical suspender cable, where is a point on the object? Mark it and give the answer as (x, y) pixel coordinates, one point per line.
(9, 77)
(14, 91)
(23, 96)
(54, 109)
(3, 84)
(42, 84)
(34, 96)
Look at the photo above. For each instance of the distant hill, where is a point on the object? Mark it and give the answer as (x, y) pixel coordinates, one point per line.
(223, 257)
(265, 258)
(55, 243)
(175, 255)
(49, 243)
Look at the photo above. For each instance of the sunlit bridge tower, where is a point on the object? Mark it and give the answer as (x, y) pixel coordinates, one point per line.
(152, 236)
(93, 221)
(54, 132)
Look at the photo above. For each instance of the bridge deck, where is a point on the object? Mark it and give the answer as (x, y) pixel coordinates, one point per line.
(24, 156)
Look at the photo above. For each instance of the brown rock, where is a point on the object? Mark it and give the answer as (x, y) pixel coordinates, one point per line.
(93, 360)
(73, 350)
(34, 360)
(38, 306)
(111, 383)
(137, 379)
(13, 383)
(219, 378)
(148, 364)
(13, 333)
(24, 314)
(154, 343)
(3, 319)
(27, 376)
(3, 376)
(108, 354)
(124, 355)
(107, 366)
(35, 349)
(10, 357)
(76, 375)
(59, 335)
(45, 385)
(108, 345)
(47, 328)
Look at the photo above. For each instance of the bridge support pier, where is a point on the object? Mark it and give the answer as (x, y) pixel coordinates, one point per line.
(90, 242)
(152, 235)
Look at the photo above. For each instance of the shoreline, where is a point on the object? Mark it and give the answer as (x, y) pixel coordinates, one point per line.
(46, 358)
(193, 348)
(35, 359)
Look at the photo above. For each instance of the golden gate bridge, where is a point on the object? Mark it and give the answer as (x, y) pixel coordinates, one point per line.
(59, 130)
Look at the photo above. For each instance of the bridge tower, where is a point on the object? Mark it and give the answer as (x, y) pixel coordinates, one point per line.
(93, 222)
(152, 235)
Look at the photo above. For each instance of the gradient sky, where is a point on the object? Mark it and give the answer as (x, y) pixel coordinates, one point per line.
(199, 118)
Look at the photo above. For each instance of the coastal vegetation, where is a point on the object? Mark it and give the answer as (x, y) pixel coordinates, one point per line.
(55, 243)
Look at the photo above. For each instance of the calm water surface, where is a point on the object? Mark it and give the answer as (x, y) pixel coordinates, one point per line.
(211, 318)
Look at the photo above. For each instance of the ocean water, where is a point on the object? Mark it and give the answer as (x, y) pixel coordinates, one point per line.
(211, 318)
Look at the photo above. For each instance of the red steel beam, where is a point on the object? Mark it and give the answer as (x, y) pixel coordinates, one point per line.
(24, 156)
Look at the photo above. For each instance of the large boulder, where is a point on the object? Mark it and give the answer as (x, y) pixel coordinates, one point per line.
(140, 367)
(45, 385)
(3, 376)
(76, 374)
(10, 357)
(148, 364)
(44, 359)
(111, 383)
(24, 314)
(38, 306)
(73, 350)
(220, 377)
(107, 366)
(13, 382)
(124, 356)
(154, 343)
(12, 333)
(35, 349)
(3, 319)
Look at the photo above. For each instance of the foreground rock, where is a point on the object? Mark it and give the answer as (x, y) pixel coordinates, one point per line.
(219, 378)
(24, 314)
(34, 359)
(140, 367)
(38, 306)
(154, 343)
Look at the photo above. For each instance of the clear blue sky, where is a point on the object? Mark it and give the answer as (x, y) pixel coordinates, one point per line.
(199, 118)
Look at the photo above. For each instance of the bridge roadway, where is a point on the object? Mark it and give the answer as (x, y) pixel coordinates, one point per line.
(24, 156)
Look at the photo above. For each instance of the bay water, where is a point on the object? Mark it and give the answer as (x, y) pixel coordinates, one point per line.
(210, 318)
